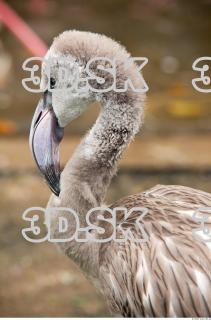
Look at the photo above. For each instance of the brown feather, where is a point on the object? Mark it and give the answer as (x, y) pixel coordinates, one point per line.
(170, 275)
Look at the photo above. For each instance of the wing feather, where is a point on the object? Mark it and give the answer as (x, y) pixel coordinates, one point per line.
(170, 274)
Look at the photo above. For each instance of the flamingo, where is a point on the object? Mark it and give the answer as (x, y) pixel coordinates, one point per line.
(169, 275)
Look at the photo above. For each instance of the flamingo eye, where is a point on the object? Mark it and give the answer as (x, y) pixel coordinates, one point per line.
(52, 83)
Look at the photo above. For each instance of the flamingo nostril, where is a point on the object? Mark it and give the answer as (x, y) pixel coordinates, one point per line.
(38, 119)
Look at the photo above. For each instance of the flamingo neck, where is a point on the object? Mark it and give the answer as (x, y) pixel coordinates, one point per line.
(87, 175)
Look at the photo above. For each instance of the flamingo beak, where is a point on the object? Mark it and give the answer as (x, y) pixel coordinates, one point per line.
(44, 140)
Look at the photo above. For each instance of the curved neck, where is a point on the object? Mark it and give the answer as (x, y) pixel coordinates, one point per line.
(86, 176)
(94, 161)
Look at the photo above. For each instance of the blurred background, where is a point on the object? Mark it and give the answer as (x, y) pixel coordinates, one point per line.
(174, 146)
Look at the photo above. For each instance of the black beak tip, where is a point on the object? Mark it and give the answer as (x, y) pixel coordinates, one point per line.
(54, 188)
(52, 178)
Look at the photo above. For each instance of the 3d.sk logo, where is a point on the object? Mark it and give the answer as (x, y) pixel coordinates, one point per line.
(202, 216)
(101, 224)
(98, 75)
(93, 77)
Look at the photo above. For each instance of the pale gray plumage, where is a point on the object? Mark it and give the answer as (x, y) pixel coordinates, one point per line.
(170, 274)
